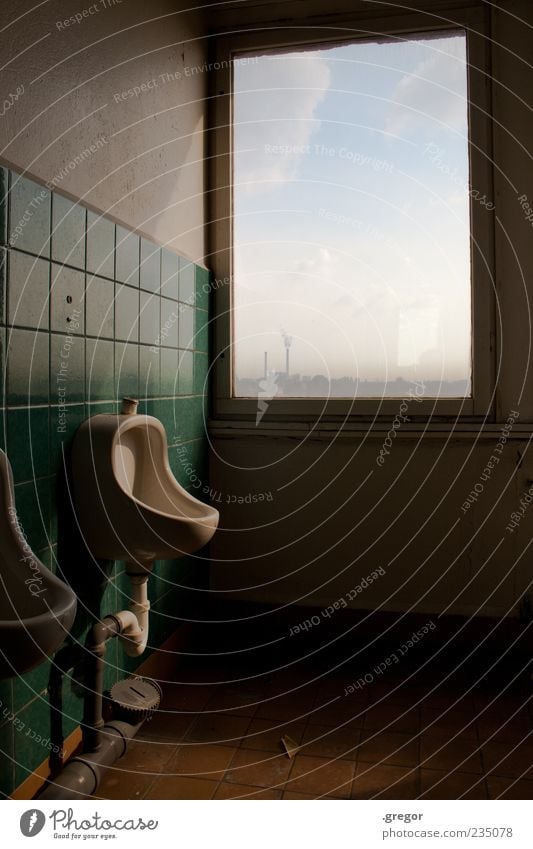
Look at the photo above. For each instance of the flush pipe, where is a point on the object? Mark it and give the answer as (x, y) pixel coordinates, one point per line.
(104, 743)
(134, 623)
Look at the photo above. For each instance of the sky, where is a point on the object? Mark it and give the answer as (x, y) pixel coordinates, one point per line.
(351, 211)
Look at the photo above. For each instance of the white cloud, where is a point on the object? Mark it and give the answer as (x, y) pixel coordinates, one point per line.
(275, 106)
(434, 93)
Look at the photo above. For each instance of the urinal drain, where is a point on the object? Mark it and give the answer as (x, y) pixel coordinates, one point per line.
(135, 699)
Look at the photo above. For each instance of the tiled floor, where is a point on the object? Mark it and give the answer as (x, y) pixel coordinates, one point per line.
(393, 739)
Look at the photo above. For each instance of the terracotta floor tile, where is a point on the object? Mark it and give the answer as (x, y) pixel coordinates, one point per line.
(146, 756)
(392, 718)
(176, 787)
(448, 724)
(204, 760)
(290, 707)
(166, 726)
(124, 784)
(505, 728)
(439, 751)
(389, 748)
(233, 701)
(243, 791)
(509, 759)
(218, 728)
(338, 712)
(323, 742)
(440, 784)
(265, 735)
(290, 796)
(185, 697)
(259, 769)
(383, 781)
(509, 788)
(321, 776)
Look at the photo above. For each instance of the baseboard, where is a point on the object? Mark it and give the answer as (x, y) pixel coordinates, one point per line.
(160, 664)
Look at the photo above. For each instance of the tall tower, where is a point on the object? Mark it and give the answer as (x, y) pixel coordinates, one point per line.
(287, 341)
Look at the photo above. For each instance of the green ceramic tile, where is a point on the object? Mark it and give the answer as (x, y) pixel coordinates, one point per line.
(67, 370)
(27, 442)
(3, 284)
(6, 698)
(188, 461)
(27, 367)
(99, 365)
(169, 371)
(126, 313)
(48, 556)
(99, 306)
(185, 372)
(126, 370)
(4, 201)
(32, 741)
(150, 318)
(7, 758)
(202, 286)
(3, 368)
(186, 326)
(63, 425)
(99, 408)
(187, 281)
(149, 371)
(201, 336)
(189, 414)
(32, 502)
(100, 245)
(169, 274)
(26, 687)
(164, 409)
(127, 256)
(170, 317)
(67, 308)
(29, 216)
(68, 231)
(150, 266)
(28, 290)
(201, 373)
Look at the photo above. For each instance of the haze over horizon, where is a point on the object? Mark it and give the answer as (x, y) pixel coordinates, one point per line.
(351, 212)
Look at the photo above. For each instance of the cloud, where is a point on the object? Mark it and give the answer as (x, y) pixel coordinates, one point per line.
(275, 108)
(434, 92)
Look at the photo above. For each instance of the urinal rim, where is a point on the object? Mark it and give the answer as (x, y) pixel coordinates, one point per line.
(6, 476)
(128, 423)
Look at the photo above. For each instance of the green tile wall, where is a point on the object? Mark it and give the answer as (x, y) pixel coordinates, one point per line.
(89, 312)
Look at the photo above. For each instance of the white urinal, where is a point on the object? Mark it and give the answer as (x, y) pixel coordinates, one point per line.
(37, 609)
(129, 505)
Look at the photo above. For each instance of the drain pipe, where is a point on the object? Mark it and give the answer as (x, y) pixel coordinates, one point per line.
(134, 623)
(104, 743)
(82, 775)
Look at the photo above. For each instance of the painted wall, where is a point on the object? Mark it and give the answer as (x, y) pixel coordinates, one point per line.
(302, 522)
(90, 312)
(126, 77)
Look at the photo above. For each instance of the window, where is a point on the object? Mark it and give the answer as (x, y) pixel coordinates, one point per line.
(359, 227)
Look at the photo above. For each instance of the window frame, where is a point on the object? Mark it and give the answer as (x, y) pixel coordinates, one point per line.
(478, 408)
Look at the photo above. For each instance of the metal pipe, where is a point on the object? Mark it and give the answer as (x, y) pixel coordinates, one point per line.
(95, 644)
(82, 775)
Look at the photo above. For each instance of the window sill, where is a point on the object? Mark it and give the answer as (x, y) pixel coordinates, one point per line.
(326, 432)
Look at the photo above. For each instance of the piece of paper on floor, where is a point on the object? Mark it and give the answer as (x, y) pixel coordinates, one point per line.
(290, 745)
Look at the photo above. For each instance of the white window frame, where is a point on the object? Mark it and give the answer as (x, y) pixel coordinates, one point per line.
(480, 407)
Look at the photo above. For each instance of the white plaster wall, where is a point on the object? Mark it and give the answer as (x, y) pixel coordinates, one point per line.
(149, 172)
